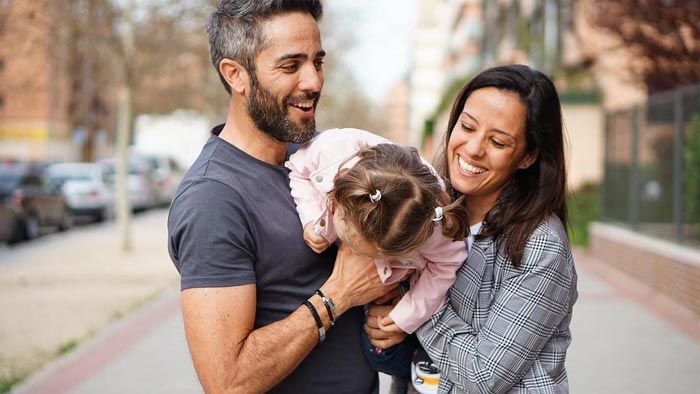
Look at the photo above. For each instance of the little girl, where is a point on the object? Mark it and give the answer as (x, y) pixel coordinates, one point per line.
(382, 200)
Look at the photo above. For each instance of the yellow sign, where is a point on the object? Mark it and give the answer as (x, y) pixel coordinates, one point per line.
(24, 132)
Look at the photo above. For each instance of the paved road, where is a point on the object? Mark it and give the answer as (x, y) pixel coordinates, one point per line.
(626, 340)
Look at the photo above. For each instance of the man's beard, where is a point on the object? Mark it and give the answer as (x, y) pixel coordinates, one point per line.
(272, 117)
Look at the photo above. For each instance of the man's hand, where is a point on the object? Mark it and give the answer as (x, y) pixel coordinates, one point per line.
(390, 298)
(316, 242)
(354, 281)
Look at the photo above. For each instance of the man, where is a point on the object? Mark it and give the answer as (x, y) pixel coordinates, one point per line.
(252, 320)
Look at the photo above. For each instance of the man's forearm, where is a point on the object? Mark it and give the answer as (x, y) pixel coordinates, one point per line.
(271, 353)
(230, 356)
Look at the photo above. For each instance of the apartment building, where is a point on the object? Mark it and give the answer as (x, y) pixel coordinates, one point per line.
(34, 83)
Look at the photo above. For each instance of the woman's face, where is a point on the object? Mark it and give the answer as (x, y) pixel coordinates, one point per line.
(487, 144)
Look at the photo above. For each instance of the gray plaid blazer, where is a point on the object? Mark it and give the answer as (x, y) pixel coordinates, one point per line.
(506, 329)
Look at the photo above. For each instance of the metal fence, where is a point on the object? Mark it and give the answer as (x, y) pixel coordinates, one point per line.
(652, 166)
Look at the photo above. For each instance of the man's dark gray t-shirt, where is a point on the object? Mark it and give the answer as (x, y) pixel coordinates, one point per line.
(233, 222)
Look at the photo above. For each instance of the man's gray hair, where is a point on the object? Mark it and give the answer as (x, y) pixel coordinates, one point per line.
(234, 28)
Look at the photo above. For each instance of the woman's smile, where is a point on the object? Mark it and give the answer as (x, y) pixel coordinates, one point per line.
(469, 169)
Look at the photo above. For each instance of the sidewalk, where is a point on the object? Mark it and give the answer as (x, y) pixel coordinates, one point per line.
(143, 353)
(626, 340)
(61, 289)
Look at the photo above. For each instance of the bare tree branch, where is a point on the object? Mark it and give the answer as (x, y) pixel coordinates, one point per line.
(653, 32)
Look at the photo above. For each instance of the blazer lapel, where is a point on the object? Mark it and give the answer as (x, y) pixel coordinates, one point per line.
(465, 291)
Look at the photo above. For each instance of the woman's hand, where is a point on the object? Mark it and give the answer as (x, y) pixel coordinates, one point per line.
(377, 336)
(386, 323)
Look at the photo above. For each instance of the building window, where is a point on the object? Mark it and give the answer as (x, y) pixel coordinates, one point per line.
(4, 10)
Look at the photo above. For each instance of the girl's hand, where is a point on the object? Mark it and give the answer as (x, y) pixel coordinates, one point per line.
(387, 324)
(316, 242)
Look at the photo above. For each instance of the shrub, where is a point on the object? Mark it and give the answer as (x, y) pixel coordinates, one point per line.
(584, 207)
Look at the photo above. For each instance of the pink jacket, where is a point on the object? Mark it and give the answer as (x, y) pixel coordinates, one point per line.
(313, 170)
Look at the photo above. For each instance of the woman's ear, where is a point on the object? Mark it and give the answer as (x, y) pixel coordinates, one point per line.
(235, 74)
(529, 159)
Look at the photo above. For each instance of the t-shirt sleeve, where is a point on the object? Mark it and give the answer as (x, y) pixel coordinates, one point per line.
(209, 237)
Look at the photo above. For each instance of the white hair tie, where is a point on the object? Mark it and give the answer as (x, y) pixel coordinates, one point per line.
(438, 214)
(376, 196)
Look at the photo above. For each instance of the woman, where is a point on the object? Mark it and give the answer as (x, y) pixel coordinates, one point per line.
(505, 328)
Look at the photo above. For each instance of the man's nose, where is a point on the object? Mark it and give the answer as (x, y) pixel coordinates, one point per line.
(311, 79)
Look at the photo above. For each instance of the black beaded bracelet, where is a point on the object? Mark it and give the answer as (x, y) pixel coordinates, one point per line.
(319, 323)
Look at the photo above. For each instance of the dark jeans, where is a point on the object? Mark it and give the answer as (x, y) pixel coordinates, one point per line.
(394, 361)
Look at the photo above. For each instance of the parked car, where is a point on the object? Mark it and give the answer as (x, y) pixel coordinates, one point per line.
(86, 188)
(166, 175)
(140, 183)
(28, 202)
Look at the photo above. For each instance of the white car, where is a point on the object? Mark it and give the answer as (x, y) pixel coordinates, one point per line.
(86, 188)
(140, 183)
(166, 175)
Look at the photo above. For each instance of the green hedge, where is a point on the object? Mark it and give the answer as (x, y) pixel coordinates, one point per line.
(691, 171)
(584, 207)
(579, 97)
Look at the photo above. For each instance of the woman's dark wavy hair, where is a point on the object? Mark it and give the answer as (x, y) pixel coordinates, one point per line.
(534, 193)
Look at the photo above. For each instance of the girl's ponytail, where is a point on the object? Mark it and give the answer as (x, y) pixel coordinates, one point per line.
(456, 223)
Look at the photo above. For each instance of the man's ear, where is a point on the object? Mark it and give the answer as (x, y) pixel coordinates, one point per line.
(529, 159)
(235, 75)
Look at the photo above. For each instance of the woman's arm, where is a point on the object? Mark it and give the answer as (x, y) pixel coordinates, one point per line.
(523, 316)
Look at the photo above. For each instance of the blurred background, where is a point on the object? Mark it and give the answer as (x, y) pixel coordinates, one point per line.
(104, 104)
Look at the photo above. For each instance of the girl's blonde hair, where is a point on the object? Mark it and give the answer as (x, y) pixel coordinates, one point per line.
(402, 219)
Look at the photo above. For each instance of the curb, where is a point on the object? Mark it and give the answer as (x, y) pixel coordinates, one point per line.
(65, 373)
(681, 318)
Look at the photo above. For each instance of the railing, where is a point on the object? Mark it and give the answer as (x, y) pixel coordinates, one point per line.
(652, 166)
